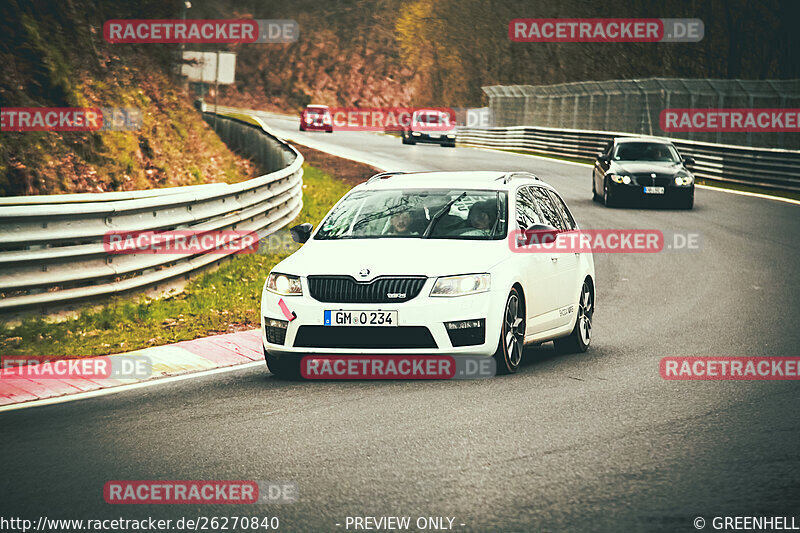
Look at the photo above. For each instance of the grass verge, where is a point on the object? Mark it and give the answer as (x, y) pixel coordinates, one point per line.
(219, 301)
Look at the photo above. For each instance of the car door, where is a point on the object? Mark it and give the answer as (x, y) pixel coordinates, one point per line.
(570, 262)
(538, 270)
(564, 264)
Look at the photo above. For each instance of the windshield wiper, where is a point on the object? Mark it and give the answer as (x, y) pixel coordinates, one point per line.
(441, 212)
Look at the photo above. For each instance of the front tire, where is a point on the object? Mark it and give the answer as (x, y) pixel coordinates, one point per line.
(512, 335)
(578, 341)
(608, 201)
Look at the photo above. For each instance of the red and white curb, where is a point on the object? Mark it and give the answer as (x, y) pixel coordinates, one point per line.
(174, 361)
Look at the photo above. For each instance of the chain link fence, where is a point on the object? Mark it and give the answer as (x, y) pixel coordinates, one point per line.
(634, 106)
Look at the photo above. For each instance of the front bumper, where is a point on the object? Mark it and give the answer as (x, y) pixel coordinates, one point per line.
(316, 126)
(420, 328)
(433, 138)
(634, 193)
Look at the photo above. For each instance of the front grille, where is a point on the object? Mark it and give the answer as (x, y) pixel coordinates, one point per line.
(661, 180)
(364, 337)
(345, 289)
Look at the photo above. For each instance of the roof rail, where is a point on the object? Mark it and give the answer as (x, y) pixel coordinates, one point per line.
(511, 175)
(383, 175)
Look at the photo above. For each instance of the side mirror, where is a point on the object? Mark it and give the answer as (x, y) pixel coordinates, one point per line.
(301, 233)
(688, 161)
(602, 158)
(537, 234)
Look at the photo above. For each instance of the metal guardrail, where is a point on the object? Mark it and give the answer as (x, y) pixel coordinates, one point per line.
(51, 247)
(774, 169)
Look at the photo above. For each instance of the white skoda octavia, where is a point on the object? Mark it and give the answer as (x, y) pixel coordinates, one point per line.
(421, 263)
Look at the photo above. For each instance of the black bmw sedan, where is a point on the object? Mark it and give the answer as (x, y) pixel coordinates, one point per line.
(638, 170)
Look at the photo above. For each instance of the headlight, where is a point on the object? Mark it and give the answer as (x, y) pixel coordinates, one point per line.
(284, 284)
(621, 179)
(683, 180)
(461, 285)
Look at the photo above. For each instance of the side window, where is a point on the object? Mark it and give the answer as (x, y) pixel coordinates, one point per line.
(561, 207)
(526, 212)
(547, 208)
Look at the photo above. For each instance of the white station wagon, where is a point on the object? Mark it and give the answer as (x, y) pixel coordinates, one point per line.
(420, 264)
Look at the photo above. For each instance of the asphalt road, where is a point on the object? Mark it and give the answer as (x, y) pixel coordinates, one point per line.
(591, 442)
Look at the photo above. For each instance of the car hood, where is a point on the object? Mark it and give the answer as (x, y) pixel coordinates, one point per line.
(399, 256)
(642, 167)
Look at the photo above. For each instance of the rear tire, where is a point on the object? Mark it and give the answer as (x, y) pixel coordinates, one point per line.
(512, 335)
(283, 368)
(578, 341)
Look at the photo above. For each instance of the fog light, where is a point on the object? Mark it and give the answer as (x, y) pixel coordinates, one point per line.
(283, 324)
(466, 332)
(464, 324)
(275, 330)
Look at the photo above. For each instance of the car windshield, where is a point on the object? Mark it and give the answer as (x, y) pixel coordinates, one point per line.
(316, 110)
(404, 213)
(638, 151)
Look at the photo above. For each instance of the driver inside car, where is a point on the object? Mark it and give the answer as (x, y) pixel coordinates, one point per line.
(481, 218)
(400, 224)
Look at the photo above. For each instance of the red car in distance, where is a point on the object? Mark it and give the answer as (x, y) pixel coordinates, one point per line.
(316, 118)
